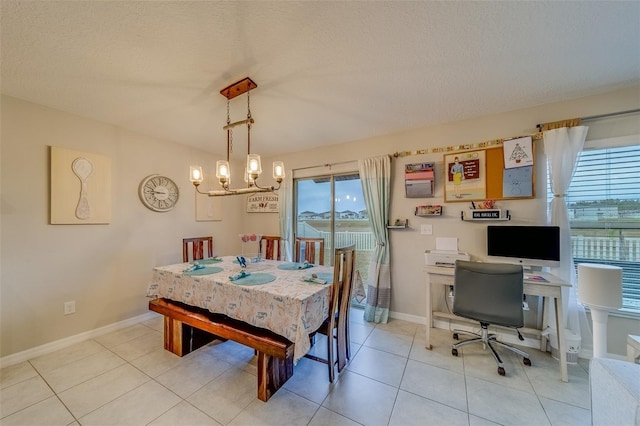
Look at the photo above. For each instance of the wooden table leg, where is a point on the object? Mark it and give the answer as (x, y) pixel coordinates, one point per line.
(273, 372)
(181, 338)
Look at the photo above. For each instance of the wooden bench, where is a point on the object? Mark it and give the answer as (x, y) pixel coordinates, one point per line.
(186, 328)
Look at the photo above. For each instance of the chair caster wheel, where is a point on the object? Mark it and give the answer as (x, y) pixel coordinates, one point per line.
(454, 352)
(501, 371)
(527, 362)
(455, 336)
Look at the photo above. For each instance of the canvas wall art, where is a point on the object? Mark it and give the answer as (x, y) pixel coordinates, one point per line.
(80, 187)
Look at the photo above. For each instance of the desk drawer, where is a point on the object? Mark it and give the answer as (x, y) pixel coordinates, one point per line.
(441, 279)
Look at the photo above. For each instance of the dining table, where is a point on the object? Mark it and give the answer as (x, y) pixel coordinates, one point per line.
(291, 299)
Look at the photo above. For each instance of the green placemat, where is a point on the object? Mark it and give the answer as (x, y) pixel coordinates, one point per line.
(255, 279)
(327, 276)
(205, 271)
(208, 261)
(294, 266)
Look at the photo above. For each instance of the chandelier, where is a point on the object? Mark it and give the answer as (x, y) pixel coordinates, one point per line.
(254, 168)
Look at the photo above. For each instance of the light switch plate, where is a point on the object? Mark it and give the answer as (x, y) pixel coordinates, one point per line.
(426, 229)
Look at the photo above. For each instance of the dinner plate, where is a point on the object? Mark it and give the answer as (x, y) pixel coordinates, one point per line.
(205, 271)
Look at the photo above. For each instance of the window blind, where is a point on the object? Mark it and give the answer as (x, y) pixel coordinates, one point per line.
(604, 212)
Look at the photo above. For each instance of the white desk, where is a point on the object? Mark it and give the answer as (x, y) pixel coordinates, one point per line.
(553, 289)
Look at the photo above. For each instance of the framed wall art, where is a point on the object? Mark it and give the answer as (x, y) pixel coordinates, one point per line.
(208, 209)
(80, 187)
(465, 176)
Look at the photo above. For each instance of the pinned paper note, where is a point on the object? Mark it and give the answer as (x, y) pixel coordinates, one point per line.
(518, 152)
(446, 244)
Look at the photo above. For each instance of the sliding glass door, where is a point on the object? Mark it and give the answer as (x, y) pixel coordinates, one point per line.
(332, 207)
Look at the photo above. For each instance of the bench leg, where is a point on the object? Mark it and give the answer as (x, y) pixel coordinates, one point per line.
(182, 339)
(273, 372)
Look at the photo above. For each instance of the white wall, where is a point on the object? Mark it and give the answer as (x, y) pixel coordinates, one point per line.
(105, 268)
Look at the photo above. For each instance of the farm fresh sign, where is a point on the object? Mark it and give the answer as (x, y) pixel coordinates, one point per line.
(262, 203)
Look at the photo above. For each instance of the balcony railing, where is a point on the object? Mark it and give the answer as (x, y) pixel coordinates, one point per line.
(606, 248)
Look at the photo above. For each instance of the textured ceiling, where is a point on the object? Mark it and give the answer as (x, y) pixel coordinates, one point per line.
(327, 72)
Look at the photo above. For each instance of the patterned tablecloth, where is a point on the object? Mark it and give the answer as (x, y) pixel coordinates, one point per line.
(287, 306)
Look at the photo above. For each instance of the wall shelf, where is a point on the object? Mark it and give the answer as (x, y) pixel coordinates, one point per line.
(428, 211)
(481, 215)
(401, 226)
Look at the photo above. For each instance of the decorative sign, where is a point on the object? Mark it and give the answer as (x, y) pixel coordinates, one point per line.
(485, 214)
(465, 176)
(263, 203)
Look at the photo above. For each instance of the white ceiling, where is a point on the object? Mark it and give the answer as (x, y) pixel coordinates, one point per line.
(327, 72)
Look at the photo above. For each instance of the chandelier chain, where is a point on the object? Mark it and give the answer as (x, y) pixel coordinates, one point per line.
(249, 122)
(229, 131)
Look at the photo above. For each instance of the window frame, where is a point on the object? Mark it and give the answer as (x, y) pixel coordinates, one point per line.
(603, 144)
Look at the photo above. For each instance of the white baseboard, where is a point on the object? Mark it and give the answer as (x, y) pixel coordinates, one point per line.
(406, 317)
(19, 357)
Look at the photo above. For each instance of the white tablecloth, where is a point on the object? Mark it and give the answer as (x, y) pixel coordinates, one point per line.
(288, 306)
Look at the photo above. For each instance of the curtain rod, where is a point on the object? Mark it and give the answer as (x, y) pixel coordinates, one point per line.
(596, 117)
(611, 114)
(325, 165)
(330, 164)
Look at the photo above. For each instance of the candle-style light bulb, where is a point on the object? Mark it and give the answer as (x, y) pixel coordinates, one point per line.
(278, 171)
(195, 175)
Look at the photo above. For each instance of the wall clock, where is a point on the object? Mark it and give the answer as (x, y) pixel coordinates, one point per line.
(158, 193)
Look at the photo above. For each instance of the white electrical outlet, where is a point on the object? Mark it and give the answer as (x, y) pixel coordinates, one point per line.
(426, 229)
(70, 307)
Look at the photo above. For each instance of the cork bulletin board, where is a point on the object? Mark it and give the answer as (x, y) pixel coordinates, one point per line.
(481, 175)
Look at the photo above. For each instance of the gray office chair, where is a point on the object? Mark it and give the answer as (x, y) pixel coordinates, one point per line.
(490, 293)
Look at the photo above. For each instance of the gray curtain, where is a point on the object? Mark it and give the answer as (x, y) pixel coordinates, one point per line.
(375, 175)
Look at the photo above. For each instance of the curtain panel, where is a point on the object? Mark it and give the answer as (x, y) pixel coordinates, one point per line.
(375, 175)
(562, 147)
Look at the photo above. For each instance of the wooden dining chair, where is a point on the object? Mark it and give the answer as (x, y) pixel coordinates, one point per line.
(309, 245)
(336, 326)
(270, 247)
(197, 244)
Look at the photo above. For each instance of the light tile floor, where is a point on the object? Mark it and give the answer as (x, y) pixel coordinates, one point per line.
(127, 378)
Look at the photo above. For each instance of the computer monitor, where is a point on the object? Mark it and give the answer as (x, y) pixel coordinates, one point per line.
(536, 246)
